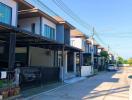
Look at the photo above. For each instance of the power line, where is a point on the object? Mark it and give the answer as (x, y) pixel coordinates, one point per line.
(42, 6)
(69, 12)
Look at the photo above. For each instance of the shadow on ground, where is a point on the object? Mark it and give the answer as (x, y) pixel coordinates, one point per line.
(83, 88)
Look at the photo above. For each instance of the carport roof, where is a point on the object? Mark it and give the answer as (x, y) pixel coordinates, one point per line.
(24, 38)
(89, 54)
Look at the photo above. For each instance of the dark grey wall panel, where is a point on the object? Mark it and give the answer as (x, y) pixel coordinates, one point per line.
(60, 33)
(67, 36)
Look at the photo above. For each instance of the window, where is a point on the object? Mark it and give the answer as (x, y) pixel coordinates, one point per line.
(5, 14)
(33, 27)
(72, 42)
(49, 32)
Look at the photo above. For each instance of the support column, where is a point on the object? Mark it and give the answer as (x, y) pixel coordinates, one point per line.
(28, 56)
(80, 63)
(65, 62)
(62, 65)
(75, 70)
(12, 47)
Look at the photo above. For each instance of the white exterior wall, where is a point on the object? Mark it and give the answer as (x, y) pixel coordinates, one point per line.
(49, 23)
(38, 57)
(26, 24)
(99, 50)
(77, 42)
(13, 5)
(86, 71)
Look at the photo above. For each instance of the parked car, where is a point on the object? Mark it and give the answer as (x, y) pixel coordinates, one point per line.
(112, 67)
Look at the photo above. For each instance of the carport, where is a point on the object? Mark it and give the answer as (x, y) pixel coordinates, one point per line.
(12, 38)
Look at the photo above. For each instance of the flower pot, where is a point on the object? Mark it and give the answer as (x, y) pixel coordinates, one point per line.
(17, 91)
(11, 92)
(5, 93)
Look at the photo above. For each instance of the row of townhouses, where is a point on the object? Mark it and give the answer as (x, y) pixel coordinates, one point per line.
(38, 49)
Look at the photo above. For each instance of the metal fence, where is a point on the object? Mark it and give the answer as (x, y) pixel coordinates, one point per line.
(36, 76)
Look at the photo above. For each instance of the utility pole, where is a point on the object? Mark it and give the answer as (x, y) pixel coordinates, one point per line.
(108, 54)
(92, 51)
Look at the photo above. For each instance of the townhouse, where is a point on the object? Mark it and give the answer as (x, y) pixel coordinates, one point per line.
(35, 45)
(37, 49)
(96, 55)
(64, 30)
(80, 40)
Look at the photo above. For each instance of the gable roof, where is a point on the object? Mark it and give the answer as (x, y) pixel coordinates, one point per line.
(77, 33)
(62, 21)
(27, 10)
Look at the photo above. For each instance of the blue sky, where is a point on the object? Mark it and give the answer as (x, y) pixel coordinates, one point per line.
(112, 20)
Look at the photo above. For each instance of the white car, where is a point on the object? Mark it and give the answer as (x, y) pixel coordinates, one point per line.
(112, 67)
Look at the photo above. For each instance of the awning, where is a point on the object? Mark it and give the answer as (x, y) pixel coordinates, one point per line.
(25, 38)
(89, 54)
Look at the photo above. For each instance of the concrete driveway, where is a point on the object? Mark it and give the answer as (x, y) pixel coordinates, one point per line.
(104, 86)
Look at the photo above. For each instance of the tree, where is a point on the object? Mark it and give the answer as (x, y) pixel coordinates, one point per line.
(125, 61)
(130, 61)
(104, 54)
(120, 60)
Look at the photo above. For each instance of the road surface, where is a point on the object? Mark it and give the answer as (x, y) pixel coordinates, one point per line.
(104, 86)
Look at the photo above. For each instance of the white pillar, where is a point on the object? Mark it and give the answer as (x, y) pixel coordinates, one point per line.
(75, 62)
(64, 69)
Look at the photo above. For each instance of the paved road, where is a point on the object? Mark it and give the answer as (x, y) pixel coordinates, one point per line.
(105, 86)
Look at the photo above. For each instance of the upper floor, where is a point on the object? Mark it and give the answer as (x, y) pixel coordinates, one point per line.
(35, 20)
(39, 22)
(79, 40)
(100, 48)
(8, 12)
(63, 29)
(24, 15)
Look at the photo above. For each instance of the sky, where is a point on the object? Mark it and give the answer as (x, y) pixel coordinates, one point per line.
(112, 20)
